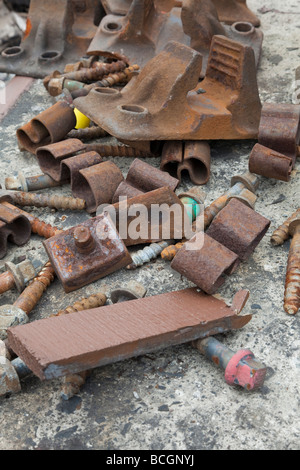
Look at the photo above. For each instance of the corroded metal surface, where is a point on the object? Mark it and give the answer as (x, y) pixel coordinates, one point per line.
(16, 276)
(47, 200)
(239, 228)
(33, 293)
(13, 227)
(137, 212)
(92, 338)
(191, 157)
(57, 32)
(50, 156)
(206, 264)
(37, 226)
(97, 184)
(52, 125)
(96, 257)
(148, 26)
(145, 177)
(29, 183)
(230, 11)
(270, 164)
(282, 233)
(227, 107)
(279, 128)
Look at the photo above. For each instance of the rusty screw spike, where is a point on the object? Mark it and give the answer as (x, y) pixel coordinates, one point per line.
(114, 78)
(95, 73)
(281, 234)
(95, 300)
(45, 200)
(88, 133)
(106, 150)
(17, 314)
(292, 282)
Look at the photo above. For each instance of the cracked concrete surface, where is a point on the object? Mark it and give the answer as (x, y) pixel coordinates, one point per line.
(176, 399)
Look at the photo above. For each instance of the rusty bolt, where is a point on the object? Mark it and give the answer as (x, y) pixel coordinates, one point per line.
(107, 150)
(88, 133)
(84, 240)
(147, 254)
(30, 183)
(281, 234)
(11, 372)
(45, 200)
(292, 282)
(95, 300)
(241, 368)
(169, 253)
(133, 290)
(16, 276)
(17, 314)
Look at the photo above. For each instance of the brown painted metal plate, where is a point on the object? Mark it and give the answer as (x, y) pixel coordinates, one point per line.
(67, 344)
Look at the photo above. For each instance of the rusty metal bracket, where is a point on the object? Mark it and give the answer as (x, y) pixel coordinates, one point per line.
(205, 262)
(150, 24)
(225, 106)
(229, 11)
(239, 228)
(87, 252)
(270, 164)
(58, 32)
(192, 157)
(141, 178)
(279, 128)
(137, 211)
(13, 228)
(58, 346)
(50, 126)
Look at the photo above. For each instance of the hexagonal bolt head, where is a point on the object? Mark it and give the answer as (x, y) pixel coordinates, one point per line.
(133, 290)
(22, 272)
(9, 380)
(55, 86)
(10, 316)
(244, 370)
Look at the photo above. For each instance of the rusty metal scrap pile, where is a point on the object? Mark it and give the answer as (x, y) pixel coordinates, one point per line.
(163, 78)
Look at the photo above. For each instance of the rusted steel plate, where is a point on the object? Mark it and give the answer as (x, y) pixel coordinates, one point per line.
(150, 24)
(14, 228)
(82, 254)
(58, 346)
(239, 228)
(52, 125)
(270, 164)
(225, 105)
(206, 264)
(58, 32)
(138, 223)
(50, 156)
(279, 128)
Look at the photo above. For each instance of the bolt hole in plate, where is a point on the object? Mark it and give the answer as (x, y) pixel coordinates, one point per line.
(243, 28)
(112, 26)
(106, 91)
(133, 108)
(50, 56)
(11, 52)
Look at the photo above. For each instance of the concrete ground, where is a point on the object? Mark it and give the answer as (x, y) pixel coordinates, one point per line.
(176, 399)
